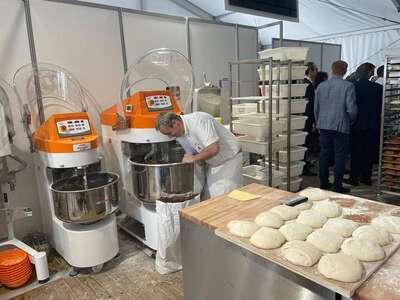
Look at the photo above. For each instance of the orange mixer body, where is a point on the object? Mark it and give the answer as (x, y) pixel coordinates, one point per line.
(66, 133)
(142, 108)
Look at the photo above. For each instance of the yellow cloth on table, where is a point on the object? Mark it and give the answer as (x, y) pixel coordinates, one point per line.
(242, 196)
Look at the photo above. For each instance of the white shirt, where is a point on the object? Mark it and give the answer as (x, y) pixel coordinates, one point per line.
(201, 130)
(379, 80)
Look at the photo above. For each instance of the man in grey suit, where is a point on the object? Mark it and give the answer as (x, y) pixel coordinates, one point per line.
(335, 110)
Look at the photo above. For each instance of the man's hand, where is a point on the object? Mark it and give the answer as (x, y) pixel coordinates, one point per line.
(188, 158)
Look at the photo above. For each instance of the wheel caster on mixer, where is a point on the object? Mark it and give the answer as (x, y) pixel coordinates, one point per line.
(73, 272)
(97, 269)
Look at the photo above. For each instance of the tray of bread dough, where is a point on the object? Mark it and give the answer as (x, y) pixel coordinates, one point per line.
(298, 106)
(359, 210)
(282, 73)
(296, 89)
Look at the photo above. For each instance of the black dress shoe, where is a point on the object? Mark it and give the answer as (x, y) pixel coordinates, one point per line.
(366, 181)
(326, 187)
(351, 181)
(342, 190)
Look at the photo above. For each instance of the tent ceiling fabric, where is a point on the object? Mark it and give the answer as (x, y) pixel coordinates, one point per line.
(317, 17)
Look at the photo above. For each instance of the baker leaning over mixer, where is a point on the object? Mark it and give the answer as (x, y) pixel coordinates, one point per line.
(206, 140)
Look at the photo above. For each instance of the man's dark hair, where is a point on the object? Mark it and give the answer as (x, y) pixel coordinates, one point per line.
(320, 77)
(380, 71)
(365, 70)
(310, 66)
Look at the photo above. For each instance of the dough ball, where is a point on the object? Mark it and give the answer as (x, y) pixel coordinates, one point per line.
(341, 267)
(344, 227)
(285, 212)
(242, 228)
(328, 208)
(373, 233)
(364, 250)
(390, 223)
(294, 231)
(325, 240)
(301, 253)
(304, 205)
(311, 218)
(267, 238)
(314, 194)
(269, 219)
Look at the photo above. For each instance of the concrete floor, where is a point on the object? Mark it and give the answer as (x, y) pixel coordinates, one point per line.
(132, 274)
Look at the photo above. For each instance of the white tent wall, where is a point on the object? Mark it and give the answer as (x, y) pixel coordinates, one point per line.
(369, 46)
(85, 39)
(14, 52)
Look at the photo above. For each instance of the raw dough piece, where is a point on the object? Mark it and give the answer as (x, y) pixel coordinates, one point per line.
(364, 250)
(328, 208)
(325, 240)
(301, 253)
(341, 267)
(267, 238)
(390, 223)
(242, 228)
(373, 233)
(295, 231)
(269, 219)
(344, 227)
(285, 212)
(311, 218)
(314, 194)
(304, 205)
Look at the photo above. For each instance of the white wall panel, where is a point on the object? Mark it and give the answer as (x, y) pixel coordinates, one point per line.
(248, 50)
(144, 33)
(14, 52)
(85, 41)
(212, 47)
(330, 54)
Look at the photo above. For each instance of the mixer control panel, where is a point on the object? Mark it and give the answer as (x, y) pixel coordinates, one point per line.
(158, 102)
(68, 128)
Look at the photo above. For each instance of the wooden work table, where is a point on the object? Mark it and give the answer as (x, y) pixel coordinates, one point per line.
(216, 212)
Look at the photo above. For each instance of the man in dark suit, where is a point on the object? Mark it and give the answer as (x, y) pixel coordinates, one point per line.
(309, 78)
(310, 73)
(364, 132)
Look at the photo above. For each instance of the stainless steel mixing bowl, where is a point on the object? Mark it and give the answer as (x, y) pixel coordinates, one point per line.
(153, 182)
(85, 199)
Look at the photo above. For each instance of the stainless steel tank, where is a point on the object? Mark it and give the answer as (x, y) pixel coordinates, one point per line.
(169, 182)
(158, 172)
(85, 198)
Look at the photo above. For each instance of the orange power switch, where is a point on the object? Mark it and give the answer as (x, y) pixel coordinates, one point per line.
(63, 127)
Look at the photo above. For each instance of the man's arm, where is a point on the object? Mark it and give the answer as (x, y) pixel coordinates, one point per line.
(351, 104)
(205, 154)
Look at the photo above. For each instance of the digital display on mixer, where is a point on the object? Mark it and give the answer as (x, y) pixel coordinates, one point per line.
(69, 128)
(158, 102)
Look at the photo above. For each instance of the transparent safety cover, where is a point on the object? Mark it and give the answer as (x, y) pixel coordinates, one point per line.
(60, 92)
(160, 69)
(6, 96)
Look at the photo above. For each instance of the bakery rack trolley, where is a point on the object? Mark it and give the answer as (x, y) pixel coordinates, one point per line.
(389, 152)
(267, 100)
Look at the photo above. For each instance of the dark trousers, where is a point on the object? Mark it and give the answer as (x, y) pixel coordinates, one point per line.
(362, 151)
(333, 144)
